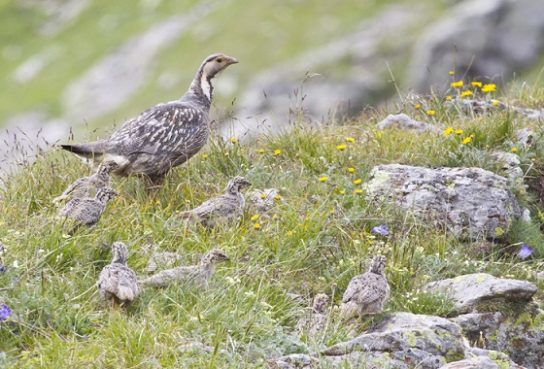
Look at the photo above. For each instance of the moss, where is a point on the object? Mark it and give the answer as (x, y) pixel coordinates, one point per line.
(411, 339)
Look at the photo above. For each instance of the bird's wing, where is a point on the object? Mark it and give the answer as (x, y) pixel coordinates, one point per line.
(156, 128)
(365, 289)
(218, 206)
(80, 182)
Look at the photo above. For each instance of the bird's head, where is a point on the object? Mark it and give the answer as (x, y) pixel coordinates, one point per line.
(215, 63)
(378, 264)
(320, 303)
(120, 253)
(214, 256)
(237, 184)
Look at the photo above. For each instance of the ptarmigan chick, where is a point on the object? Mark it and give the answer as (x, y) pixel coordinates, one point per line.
(165, 135)
(366, 293)
(161, 260)
(197, 274)
(88, 186)
(315, 320)
(118, 283)
(221, 209)
(88, 210)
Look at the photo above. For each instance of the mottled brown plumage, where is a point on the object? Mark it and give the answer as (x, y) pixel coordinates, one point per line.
(118, 283)
(222, 209)
(165, 135)
(162, 260)
(88, 210)
(366, 293)
(88, 186)
(197, 274)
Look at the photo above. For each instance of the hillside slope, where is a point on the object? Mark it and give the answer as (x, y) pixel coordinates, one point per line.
(316, 237)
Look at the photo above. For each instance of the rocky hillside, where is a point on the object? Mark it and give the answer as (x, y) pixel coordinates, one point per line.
(449, 189)
(81, 65)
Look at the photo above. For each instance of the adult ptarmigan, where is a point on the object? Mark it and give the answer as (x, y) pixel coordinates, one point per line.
(194, 274)
(117, 282)
(165, 135)
(222, 209)
(366, 293)
(88, 186)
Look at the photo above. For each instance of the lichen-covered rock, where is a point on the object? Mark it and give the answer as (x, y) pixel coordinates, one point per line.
(471, 290)
(470, 202)
(404, 122)
(521, 337)
(484, 362)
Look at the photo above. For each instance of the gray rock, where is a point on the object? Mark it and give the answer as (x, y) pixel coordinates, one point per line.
(427, 341)
(471, 202)
(262, 201)
(496, 360)
(478, 38)
(520, 336)
(510, 164)
(471, 290)
(404, 122)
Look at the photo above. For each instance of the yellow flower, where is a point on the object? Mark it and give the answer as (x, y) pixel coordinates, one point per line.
(430, 112)
(495, 102)
(457, 84)
(255, 217)
(459, 131)
(256, 226)
(514, 150)
(340, 191)
(489, 87)
(358, 191)
(448, 131)
(226, 153)
(277, 197)
(350, 139)
(449, 98)
(466, 93)
(277, 152)
(323, 179)
(233, 140)
(204, 156)
(263, 196)
(467, 140)
(417, 106)
(341, 147)
(351, 170)
(289, 233)
(357, 181)
(260, 151)
(476, 84)
(451, 72)
(378, 135)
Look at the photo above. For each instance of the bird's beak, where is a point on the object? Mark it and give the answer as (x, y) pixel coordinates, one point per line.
(231, 60)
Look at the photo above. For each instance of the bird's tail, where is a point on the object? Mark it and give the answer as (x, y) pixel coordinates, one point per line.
(87, 150)
(125, 293)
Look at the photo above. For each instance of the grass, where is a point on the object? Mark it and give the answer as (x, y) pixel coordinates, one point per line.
(315, 240)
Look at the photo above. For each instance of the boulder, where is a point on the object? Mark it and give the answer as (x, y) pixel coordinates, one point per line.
(472, 290)
(470, 202)
(521, 336)
(479, 39)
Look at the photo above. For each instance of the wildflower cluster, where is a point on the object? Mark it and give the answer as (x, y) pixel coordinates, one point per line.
(474, 88)
(459, 134)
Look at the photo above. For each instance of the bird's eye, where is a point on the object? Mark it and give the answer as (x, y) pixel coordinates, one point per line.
(219, 60)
